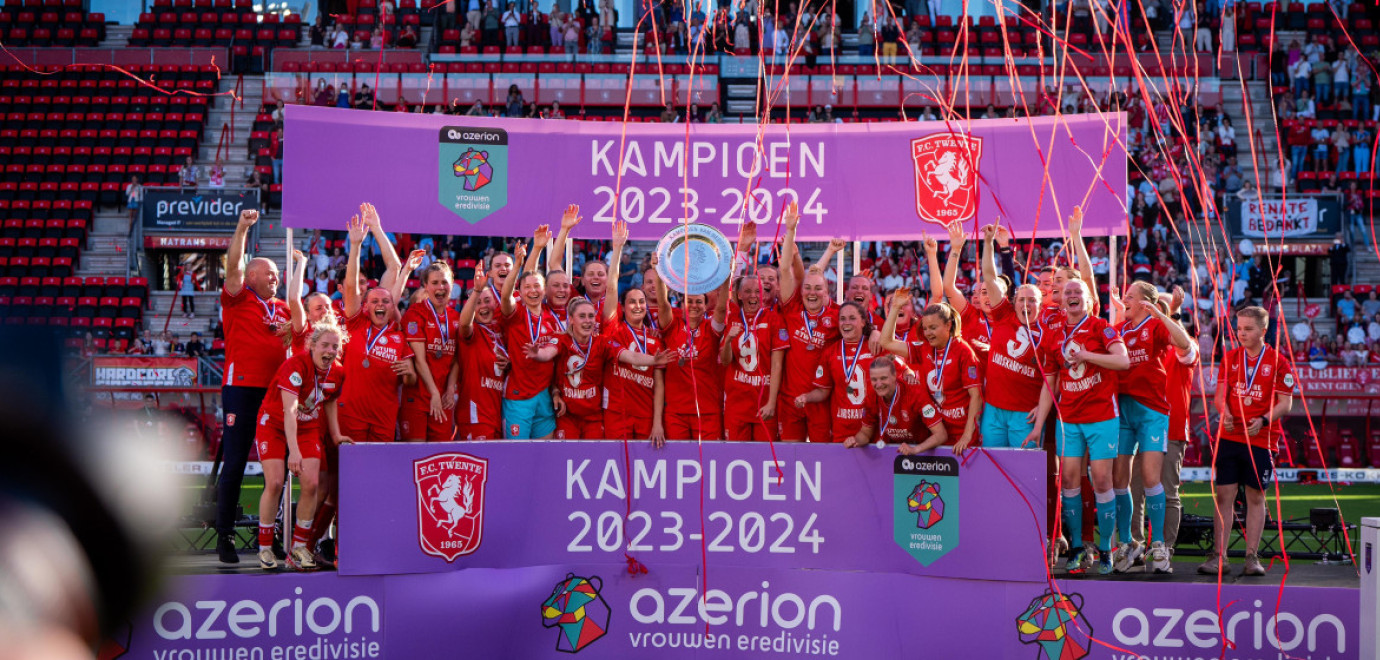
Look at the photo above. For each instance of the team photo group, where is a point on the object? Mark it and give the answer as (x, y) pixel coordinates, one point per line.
(531, 351)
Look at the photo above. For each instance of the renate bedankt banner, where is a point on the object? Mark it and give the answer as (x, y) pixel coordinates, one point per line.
(480, 176)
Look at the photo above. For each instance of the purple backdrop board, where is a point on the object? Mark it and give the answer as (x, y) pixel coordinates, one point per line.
(600, 611)
(441, 507)
(880, 181)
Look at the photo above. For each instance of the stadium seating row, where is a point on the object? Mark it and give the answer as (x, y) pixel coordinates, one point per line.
(88, 288)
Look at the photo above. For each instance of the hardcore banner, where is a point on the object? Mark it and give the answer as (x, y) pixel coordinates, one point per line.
(143, 372)
(1292, 217)
(599, 610)
(205, 211)
(885, 181)
(444, 507)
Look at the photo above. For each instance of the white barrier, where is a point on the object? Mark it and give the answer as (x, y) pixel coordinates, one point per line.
(1291, 475)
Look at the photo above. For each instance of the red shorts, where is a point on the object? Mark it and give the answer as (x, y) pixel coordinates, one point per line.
(272, 443)
(622, 426)
(573, 427)
(684, 426)
(418, 424)
(797, 424)
(482, 431)
(740, 424)
(360, 430)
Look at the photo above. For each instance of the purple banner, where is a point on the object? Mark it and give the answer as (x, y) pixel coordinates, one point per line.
(883, 181)
(600, 611)
(442, 507)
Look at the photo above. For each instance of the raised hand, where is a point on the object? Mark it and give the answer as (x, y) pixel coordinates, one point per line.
(620, 234)
(480, 279)
(415, 259)
(956, 235)
(989, 232)
(747, 233)
(370, 215)
(1076, 221)
(931, 246)
(248, 218)
(298, 257)
(792, 216)
(356, 229)
(1117, 303)
(837, 244)
(571, 218)
(900, 298)
(541, 237)
(520, 253)
(1003, 235)
(1176, 298)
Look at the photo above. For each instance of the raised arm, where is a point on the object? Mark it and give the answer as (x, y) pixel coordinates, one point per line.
(471, 305)
(569, 220)
(664, 311)
(1008, 262)
(1080, 250)
(350, 291)
(836, 246)
(540, 238)
(296, 311)
(721, 305)
(507, 304)
(234, 257)
(989, 258)
(956, 239)
(932, 263)
(889, 342)
(790, 283)
(396, 282)
(371, 220)
(620, 238)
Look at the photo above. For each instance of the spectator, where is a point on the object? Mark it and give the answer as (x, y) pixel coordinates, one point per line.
(187, 291)
(572, 35)
(1322, 81)
(668, 116)
(216, 177)
(512, 20)
(1370, 307)
(891, 37)
(477, 110)
(376, 38)
(339, 39)
(162, 344)
(467, 35)
(715, 115)
(324, 95)
(1299, 72)
(1341, 78)
(1360, 95)
(866, 37)
(275, 150)
(318, 31)
(1321, 138)
(515, 102)
(134, 198)
(556, 111)
(364, 98)
(1346, 306)
(1356, 211)
(408, 38)
(175, 345)
(188, 174)
(1341, 142)
(1360, 148)
(254, 180)
(278, 114)
(492, 23)
(1339, 257)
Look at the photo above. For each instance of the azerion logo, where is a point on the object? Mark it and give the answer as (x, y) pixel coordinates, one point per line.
(296, 626)
(1055, 623)
(577, 611)
(473, 168)
(753, 621)
(473, 171)
(450, 503)
(1256, 632)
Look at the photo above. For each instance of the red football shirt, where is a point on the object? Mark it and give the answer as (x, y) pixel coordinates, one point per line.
(373, 392)
(843, 370)
(808, 335)
(1086, 392)
(1252, 386)
(313, 388)
(481, 381)
(1146, 345)
(528, 377)
(580, 374)
(1013, 367)
(977, 329)
(253, 348)
(905, 418)
(695, 379)
(1178, 389)
(436, 329)
(748, 376)
(631, 388)
(948, 372)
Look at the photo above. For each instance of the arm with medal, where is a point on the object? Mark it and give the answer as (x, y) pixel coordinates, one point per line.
(296, 311)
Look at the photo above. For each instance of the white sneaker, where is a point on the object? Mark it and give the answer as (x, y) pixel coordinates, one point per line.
(1126, 556)
(266, 559)
(299, 559)
(1159, 559)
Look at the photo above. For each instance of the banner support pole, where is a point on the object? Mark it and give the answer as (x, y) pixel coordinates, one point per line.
(570, 258)
(1112, 266)
(838, 283)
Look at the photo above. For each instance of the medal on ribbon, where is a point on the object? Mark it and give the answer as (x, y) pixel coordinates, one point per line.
(1251, 373)
(370, 340)
(850, 366)
(441, 327)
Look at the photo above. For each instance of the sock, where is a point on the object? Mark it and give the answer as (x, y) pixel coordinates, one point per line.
(321, 522)
(265, 535)
(300, 534)
(1154, 512)
(1073, 517)
(1123, 514)
(1106, 520)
